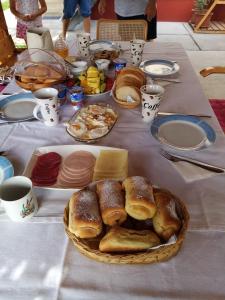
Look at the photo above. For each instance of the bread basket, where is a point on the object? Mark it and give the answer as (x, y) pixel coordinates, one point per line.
(124, 104)
(89, 247)
(37, 68)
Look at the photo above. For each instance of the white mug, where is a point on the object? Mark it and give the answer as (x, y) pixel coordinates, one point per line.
(47, 104)
(18, 199)
(151, 95)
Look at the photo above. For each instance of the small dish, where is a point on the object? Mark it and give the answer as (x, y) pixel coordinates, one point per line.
(92, 123)
(159, 67)
(102, 64)
(183, 132)
(103, 49)
(6, 169)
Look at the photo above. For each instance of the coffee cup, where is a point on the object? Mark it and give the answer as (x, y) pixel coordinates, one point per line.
(136, 49)
(18, 199)
(47, 106)
(151, 95)
(83, 40)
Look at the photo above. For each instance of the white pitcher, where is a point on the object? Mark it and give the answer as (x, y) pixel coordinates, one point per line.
(39, 37)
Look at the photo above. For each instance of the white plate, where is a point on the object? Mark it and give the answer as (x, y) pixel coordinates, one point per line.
(159, 67)
(64, 151)
(183, 132)
(17, 107)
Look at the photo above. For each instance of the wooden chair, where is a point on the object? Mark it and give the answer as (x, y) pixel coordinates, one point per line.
(212, 70)
(121, 30)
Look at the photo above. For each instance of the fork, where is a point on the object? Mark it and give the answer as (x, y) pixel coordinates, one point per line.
(203, 165)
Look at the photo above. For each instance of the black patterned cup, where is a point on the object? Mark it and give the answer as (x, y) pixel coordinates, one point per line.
(136, 49)
(83, 40)
(151, 96)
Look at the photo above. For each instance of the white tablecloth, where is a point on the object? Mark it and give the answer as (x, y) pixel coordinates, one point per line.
(38, 261)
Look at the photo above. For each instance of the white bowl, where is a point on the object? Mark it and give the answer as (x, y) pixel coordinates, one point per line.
(80, 64)
(102, 63)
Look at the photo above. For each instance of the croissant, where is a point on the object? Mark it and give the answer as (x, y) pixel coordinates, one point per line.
(111, 201)
(165, 222)
(84, 216)
(120, 239)
(139, 198)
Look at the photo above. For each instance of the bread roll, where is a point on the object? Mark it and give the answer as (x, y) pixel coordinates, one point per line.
(111, 201)
(84, 216)
(134, 79)
(165, 222)
(133, 71)
(124, 92)
(120, 239)
(139, 198)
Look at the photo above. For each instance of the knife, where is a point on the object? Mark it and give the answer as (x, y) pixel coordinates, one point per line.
(160, 113)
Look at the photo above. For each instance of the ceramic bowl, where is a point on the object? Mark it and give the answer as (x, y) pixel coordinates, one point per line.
(6, 169)
(102, 64)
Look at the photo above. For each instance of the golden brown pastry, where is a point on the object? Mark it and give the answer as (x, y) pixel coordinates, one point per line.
(84, 216)
(165, 222)
(120, 239)
(111, 201)
(41, 72)
(139, 198)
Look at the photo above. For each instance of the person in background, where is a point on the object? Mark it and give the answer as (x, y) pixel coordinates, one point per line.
(69, 9)
(135, 9)
(28, 13)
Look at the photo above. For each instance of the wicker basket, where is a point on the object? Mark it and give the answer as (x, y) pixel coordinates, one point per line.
(89, 247)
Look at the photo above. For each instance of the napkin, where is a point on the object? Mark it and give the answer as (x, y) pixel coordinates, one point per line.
(190, 172)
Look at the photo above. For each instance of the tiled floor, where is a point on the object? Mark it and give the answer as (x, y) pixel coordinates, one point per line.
(202, 49)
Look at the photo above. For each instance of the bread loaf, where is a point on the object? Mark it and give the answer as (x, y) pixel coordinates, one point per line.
(165, 222)
(84, 216)
(111, 201)
(139, 198)
(120, 239)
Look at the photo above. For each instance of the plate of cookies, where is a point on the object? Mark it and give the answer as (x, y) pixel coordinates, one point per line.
(126, 222)
(75, 166)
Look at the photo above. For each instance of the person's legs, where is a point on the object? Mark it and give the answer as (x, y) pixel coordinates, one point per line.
(152, 25)
(85, 10)
(68, 12)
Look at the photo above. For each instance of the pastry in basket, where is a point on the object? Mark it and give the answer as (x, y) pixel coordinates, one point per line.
(84, 217)
(120, 239)
(111, 199)
(166, 221)
(139, 198)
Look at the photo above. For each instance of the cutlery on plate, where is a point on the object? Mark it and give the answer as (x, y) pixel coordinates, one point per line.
(160, 113)
(203, 165)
